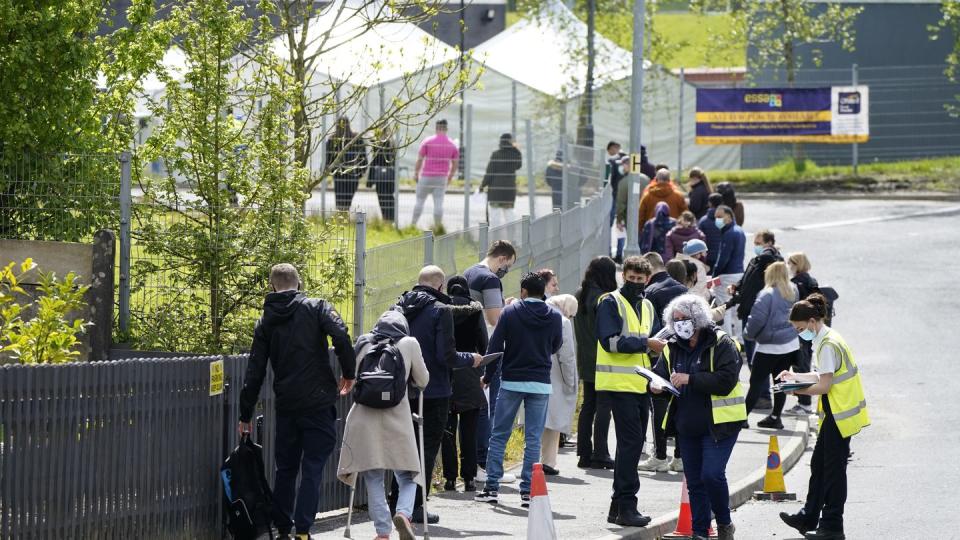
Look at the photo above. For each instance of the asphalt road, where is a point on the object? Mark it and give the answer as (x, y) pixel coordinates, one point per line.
(896, 309)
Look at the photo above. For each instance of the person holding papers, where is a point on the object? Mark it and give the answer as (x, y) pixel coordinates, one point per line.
(703, 363)
(843, 413)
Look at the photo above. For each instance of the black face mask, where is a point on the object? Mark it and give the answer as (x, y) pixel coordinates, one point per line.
(632, 291)
(502, 271)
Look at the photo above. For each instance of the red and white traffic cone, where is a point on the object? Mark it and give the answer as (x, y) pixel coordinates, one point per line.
(540, 516)
(685, 521)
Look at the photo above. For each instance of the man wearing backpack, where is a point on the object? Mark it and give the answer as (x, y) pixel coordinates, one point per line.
(294, 334)
(431, 323)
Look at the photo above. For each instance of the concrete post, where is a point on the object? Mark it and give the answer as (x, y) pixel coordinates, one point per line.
(483, 242)
(632, 246)
(126, 203)
(359, 270)
(680, 129)
(467, 143)
(531, 181)
(636, 79)
(427, 247)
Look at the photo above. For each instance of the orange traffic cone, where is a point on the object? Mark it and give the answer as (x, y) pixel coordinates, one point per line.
(540, 517)
(685, 521)
(774, 488)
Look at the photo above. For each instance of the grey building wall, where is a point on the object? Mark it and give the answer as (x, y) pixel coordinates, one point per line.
(908, 90)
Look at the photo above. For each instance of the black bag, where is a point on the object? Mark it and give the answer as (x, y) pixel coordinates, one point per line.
(247, 495)
(382, 377)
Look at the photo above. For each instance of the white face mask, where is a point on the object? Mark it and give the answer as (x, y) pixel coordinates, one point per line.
(684, 329)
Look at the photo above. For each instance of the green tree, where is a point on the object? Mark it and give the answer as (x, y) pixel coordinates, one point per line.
(948, 27)
(229, 204)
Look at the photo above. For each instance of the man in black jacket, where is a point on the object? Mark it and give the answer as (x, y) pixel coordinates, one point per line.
(752, 282)
(661, 289)
(293, 335)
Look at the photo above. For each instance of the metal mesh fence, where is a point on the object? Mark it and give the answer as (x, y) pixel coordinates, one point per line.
(390, 270)
(455, 252)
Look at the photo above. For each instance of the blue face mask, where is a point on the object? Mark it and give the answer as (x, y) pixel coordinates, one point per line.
(757, 250)
(808, 335)
(719, 222)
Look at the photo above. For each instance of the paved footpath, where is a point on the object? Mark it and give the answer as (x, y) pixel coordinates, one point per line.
(580, 498)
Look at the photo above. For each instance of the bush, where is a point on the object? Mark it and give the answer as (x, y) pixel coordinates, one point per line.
(49, 336)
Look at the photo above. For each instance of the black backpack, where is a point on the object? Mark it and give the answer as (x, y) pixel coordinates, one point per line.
(246, 491)
(381, 378)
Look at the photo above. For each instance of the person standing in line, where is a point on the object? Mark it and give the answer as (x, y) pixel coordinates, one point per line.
(685, 230)
(777, 346)
(593, 424)
(437, 162)
(623, 195)
(660, 289)
(430, 318)
(529, 333)
(563, 379)
(843, 413)
(700, 191)
(624, 321)
(799, 266)
(653, 237)
(730, 199)
(708, 226)
(486, 287)
(729, 265)
(294, 335)
(500, 181)
(378, 440)
(554, 179)
(468, 401)
(550, 278)
(695, 252)
(617, 167)
(704, 364)
(346, 156)
(383, 174)
(662, 191)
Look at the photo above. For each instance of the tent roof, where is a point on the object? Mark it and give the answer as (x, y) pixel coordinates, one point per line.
(365, 54)
(542, 53)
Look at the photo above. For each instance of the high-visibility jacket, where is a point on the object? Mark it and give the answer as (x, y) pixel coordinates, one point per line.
(615, 370)
(729, 408)
(847, 402)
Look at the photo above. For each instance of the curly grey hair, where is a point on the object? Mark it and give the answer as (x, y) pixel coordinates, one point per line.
(691, 305)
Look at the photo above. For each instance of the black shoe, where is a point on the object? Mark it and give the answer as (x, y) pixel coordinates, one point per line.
(725, 532)
(613, 512)
(601, 464)
(583, 463)
(823, 534)
(771, 422)
(418, 517)
(745, 425)
(797, 521)
(524, 499)
(450, 485)
(632, 518)
(468, 486)
(487, 496)
(550, 471)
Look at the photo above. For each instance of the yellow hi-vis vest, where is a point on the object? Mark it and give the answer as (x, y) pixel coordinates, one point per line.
(847, 402)
(615, 371)
(729, 408)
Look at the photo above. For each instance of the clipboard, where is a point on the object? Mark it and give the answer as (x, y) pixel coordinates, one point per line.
(791, 386)
(656, 380)
(490, 358)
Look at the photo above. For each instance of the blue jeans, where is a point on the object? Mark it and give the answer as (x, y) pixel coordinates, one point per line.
(705, 466)
(535, 416)
(485, 422)
(303, 443)
(377, 498)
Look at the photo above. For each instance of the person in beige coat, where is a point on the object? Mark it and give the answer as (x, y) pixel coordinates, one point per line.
(379, 440)
(563, 378)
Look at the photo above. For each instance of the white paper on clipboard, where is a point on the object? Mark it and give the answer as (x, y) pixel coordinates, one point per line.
(656, 380)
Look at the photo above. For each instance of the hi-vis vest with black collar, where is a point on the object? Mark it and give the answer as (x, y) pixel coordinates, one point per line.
(615, 370)
(729, 408)
(847, 402)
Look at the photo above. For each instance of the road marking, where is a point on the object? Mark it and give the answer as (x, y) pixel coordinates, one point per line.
(860, 221)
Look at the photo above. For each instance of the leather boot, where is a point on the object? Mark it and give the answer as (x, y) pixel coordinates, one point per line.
(630, 517)
(613, 512)
(725, 532)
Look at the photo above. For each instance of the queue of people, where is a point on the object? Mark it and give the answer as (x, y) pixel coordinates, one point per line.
(471, 358)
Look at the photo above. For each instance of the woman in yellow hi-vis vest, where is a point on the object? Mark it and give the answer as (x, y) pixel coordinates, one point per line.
(843, 413)
(703, 363)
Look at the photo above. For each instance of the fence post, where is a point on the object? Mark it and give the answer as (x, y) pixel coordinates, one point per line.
(323, 169)
(513, 108)
(359, 270)
(525, 239)
(567, 178)
(680, 129)
(427, 247)
(125, 213)
(632, 246)
(466, 166)
(854, 76)
(483, 242)
(531, 181)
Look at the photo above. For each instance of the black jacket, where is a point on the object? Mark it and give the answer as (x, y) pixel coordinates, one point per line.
(350, 163)
(806, 284)
(470, 330)
(661, 290)
(752, 281)
(501, 177)
(699, 203)
(292, 333)
(585, 330)
(703, 382)
(431, 323)
(383, 163)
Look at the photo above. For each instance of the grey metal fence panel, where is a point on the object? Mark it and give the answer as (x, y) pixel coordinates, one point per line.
(513, 232)
(455, 252)
(546, 245)
(568, 271)
(391, 270)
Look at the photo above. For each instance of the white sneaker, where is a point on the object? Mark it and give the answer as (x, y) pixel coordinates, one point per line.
(799, 410)
(676, 465)
(655, 465)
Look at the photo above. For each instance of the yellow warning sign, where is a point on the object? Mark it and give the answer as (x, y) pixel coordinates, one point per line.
(635, 160)
(216, 377)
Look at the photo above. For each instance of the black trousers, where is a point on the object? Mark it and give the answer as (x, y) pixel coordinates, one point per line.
(467, 422)
(828, 476)
(660, 406)
(435, 411)
(766, 365)
(804, 361)
(343, 190)
(630, 413)
(383, 180)
(594, 422)
(302, 445)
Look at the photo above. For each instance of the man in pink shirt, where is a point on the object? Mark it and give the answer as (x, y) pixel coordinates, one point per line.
(436, 164)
